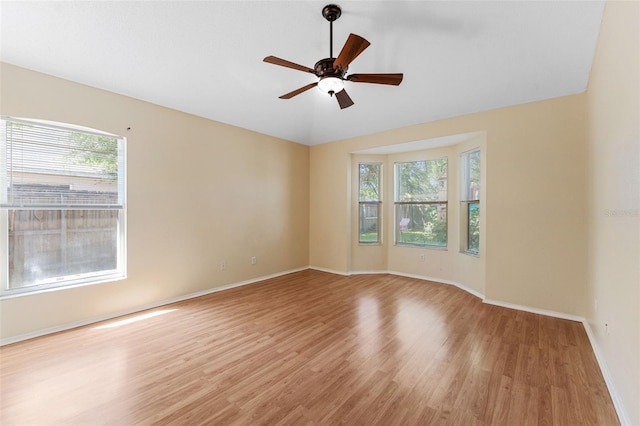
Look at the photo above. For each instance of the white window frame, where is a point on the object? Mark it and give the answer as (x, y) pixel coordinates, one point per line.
(56, 283)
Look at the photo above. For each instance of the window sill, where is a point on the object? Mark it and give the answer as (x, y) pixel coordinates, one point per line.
(51, 287)
(470, 253)
(418, 246)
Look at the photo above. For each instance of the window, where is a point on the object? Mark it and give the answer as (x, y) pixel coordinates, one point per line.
(370, 203)
(62, 206)
(421, 203)
(470, 201)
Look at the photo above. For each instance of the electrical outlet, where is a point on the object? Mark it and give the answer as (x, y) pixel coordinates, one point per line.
(254, 260)
(422, 257)
(223, 265)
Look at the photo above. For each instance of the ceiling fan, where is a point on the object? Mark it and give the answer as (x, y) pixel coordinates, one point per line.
(331, 72)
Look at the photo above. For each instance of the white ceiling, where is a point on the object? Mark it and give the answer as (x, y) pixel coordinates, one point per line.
(205, 57)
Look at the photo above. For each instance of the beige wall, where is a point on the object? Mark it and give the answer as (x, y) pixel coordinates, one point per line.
(613, 208)
(534, 238)
(330, 234)
(199, 192)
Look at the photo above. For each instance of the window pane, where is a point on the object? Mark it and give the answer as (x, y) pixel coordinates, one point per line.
(471, 176)
(369, 223)
(473, 231)
(469, 206)
(47, 245)
(369, 195)
(421, 224)
(421, 181)
(369, 182)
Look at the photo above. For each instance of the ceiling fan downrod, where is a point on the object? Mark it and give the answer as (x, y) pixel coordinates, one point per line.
(331, 39)
(331, 12)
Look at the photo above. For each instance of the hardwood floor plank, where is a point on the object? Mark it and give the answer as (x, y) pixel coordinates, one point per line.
(473, 393)
(361, 396)
(311, 348)
(523, 409)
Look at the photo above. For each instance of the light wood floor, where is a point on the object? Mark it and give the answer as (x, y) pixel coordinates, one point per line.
(312, 348)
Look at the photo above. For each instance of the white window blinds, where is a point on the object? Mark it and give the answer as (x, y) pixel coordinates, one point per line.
(43, 165)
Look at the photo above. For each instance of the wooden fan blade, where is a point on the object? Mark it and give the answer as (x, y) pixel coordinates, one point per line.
(284, 63)
(343, 99)
(298, 91)
(354, 46)
(392, 79)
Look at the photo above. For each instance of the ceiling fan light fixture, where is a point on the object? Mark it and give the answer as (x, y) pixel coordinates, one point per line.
(331, 84)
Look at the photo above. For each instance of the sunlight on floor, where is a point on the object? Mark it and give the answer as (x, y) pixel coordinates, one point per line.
(369, 325)
(135, 319)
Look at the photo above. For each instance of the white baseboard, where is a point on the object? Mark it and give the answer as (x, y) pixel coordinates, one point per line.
(539, 311)
(440, 280)
(331, 271)
(477, 294)
(100, 318)
(369, 272)
(617, 401)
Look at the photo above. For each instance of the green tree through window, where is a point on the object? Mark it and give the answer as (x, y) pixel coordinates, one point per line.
(370, 202)
(421, 202)
(99, 152)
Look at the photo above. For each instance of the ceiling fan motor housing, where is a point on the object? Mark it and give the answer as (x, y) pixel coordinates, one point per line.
(324, 68)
